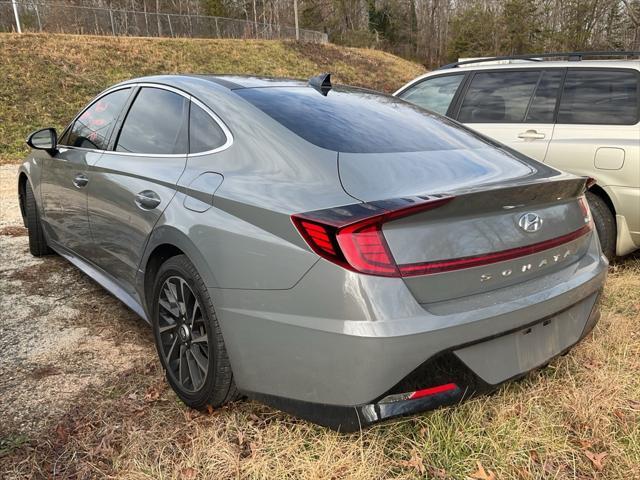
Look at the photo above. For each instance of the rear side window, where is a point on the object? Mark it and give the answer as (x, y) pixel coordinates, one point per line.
(603, 97)
(156, 124)
(93, 128)
(544, 101)
(434, 94)
(204, 133)
(498, 97)
(353, 120)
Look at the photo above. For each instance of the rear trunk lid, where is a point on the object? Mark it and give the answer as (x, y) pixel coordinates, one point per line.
(511, 218)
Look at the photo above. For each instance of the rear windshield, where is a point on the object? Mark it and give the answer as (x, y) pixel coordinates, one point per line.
(352, 120)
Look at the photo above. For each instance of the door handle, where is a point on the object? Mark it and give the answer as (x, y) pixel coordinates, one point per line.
(531, 135)
(147, 199)
(80, 180)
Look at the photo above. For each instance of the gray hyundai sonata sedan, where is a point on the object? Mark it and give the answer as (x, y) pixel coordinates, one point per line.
(331, 251)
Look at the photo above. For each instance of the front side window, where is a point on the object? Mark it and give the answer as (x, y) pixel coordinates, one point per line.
(604, 97)
(93, 128)
(498, 97)
(156, 124)
(434, 94)
(204, 133)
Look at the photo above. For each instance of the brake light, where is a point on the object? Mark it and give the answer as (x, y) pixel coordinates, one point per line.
(352, 237)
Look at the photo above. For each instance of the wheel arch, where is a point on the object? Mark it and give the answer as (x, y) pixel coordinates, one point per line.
(166, 242)
(600, 192)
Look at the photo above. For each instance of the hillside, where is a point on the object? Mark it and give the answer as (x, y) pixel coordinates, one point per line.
(47, 78)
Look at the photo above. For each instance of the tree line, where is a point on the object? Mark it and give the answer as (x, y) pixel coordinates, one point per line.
(434, 32)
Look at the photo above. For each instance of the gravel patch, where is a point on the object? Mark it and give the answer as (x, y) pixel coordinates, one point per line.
(60, 332)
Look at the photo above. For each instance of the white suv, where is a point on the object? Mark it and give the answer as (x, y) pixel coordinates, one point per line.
(579, 116)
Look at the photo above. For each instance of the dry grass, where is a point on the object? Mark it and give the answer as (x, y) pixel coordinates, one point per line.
(48, 78)
(104, 409)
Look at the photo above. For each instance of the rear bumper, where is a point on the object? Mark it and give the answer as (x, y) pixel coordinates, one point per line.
(444, 367)
(334, 345)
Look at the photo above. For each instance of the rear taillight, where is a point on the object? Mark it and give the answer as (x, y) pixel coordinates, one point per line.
(351, 236)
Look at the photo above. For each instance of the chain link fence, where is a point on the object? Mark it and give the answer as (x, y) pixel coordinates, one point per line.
(42, 16)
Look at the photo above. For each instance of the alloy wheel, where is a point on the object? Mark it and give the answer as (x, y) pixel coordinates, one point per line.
(183, 334)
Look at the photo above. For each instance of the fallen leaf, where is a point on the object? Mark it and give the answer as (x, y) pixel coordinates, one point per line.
(438, 472)
(597, 459)
(482, 474)
(152, 394)
(586, 444)
(253, 417)
(62, 432)
(188, 473)
(210, 410)
(415, 462)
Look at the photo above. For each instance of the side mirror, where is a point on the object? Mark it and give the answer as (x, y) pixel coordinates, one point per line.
(45, 139)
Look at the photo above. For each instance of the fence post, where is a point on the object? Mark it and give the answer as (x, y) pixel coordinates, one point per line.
(295, 14)
(113, 28)
(38, 17)
(15, 13)
(170, 27)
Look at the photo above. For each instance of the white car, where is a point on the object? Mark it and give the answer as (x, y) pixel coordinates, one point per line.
(581, 116)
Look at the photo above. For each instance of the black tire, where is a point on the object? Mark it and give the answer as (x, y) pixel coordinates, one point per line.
(37, 242)
(215, 386)
(605, 224)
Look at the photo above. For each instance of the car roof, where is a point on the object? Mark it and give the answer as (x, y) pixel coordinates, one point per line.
(231, 82)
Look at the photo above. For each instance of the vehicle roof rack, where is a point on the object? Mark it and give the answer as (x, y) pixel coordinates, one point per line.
(571, 56)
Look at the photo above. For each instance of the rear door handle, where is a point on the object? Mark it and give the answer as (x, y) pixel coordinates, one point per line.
(147, 199)
(80, 180)
(531, 135)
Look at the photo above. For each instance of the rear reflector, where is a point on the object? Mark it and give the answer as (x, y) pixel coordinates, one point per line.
(351, 236)
(425, 392)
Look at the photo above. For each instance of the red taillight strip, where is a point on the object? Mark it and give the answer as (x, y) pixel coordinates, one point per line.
(426, 268)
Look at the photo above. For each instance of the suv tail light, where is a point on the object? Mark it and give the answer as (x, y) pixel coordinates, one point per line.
(352, 237)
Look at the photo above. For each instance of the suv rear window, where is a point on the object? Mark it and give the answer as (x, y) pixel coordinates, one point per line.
(353, 120)
(603, 97)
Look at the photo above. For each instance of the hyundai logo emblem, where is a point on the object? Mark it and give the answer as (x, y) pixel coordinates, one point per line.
(530, 222)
